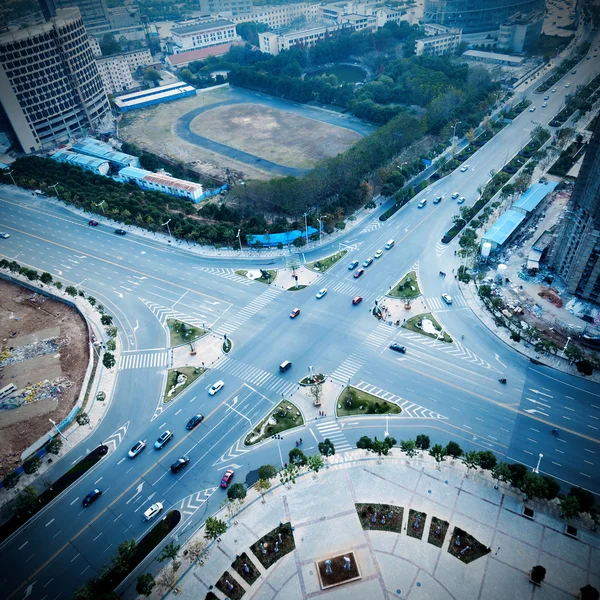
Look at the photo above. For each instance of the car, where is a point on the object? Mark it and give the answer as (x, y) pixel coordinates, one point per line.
(93, 223)
(136, 448)
(153, 511)
(353, 265)
(455, 195)
(4, 235)
(588, 57)
(358, 273)
(92, 497)
(390, 244)
(215, 387)
(120, 231)
(422, 204)
(285, 366)
(165, 436)
(553, 22)
(461, 200)
(227, 478)
(437, 200)
(294, 313)
(379, 253)
(546, 97)
(447, 298)
(368, 261)
(356, 300)
(464, 168)
(321, 292)
(179, 464)
(544, 105)
(398, 348)
(554, 90)
(573, 72)
(532, 109)
(194, 421)
(567, 85)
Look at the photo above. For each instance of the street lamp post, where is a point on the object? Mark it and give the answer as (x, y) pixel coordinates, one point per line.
(239, 239)
(12, 178)
(537, 468)
(565, 348)
(454, 138)
(59, 432)
(55, 190)
(306, 228)
(320, 229)
(169, 230)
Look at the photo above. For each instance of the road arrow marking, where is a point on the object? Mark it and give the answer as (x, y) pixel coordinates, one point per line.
(137, 491)
(28, 590)
(117, 437)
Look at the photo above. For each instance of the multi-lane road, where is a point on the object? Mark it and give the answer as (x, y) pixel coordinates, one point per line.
(449, 391)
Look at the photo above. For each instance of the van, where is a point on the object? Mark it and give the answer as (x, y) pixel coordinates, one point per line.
(390, 244)
(285, 366)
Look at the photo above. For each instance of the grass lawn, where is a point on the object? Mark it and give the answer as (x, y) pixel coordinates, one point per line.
(437, 539)
(238, 565)
(325, 263)
(416, 524)
(284, 416)
(297, 289)
(192, 374)
(235, 592)
(363, 403)
(182, 333)
(272, 274)
(407, 287)
(412, 324)
(264, 549)
(475, 549)
(392, 516)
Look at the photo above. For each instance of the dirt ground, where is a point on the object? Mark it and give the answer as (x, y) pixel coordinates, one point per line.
(273, 134)
(27, 319)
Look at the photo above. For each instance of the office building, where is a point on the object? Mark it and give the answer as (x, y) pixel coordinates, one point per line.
(202, 35)
(235, 7)
(576, 252)
(50, 87)
(276, 17)
(439, 40)
(521, 33)
(473, 16)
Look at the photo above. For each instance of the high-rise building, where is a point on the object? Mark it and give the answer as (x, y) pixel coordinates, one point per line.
(50, 87)
(93, 12)
(476, 15)
(576, 252)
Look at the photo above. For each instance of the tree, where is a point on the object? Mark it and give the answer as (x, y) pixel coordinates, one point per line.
(552, 487)
(487, 459)
(409, 447)
(364, 443)
(453, 449)
(297, 457)
(471, 460)
(538, 573)
(314, 463)
(316, 391)
(106, 320)
(11, 480)
(197, 550)
(46, 278)
(152, 75)
(167, 580)
(589, 592)
(169, 552)
(24, 504)
(71, 291)
(145, 584)
(569, 507)
(267, 472)
(213, 528)
(237, 491)
(262, 487)
(108, 360)
(438, 452)
(534, 486)
(288, 475)
(585, 498)
(422, 442)
(125, 555)
(32, 465)
(382, 447)
(326, 448)
(518, 472)
(54, 445)
(501, 472)
(93, 301)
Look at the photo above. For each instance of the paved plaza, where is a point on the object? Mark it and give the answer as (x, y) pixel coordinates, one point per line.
(393, 565)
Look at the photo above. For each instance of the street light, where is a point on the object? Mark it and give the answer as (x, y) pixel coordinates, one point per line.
(55, 190)
(320, 228)
(537, 468)
(59, 432)
(169, 230)
(10, 174)
(306, 228)
(239, 239)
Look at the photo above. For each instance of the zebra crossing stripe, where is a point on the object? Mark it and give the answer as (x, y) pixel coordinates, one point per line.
(141, 360)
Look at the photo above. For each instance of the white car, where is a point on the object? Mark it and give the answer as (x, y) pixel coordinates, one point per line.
(461, 200)
(422, 204)
(464, 168)
(153, 511)
(379, 253)
(447, 298)
(137, 448)
(4, 235)
(321, 292)
(544, 105)
(554, 90)
(567, 85)
(532, 109)
(455, 195)
(216, 387)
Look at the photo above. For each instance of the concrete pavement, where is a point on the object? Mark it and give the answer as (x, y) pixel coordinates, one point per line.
(395, 565)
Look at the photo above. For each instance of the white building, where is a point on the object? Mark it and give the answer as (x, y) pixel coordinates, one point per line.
(274, 43)
(162, 183)
(440, 40)
(277, 17)
(116, 74)
(203, 35)
(95, 45)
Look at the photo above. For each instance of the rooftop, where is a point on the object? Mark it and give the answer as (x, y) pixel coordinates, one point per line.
(78, 159)
(184, 58)
(502, 229)
(516, 60)
(160, 179)
(534, 195)
(201, 27)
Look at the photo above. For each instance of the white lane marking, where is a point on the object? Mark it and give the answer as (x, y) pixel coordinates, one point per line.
(23, 545)
(50, 522)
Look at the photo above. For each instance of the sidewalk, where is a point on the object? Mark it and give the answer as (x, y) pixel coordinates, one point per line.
(550, 360)
(393, 564)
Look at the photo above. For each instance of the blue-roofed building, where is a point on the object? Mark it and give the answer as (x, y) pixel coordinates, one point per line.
(98, 149)
(274, 239)
(153, 96)
(158, 182)
(88, 163)
(530, 200)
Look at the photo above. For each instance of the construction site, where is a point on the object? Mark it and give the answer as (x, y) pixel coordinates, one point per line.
(43, 359)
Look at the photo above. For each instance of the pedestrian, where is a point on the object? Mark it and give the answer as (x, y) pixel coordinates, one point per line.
(296, 443)
(300, 440)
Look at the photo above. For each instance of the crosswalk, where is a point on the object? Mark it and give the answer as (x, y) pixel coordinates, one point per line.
(258, 377)
(373, 225)
(352, 290)
(226, 274)
(249, 311)
(332, 431)
(143, 360)
(436, 303)
(410, 409)
(162, 313)
(380, 336)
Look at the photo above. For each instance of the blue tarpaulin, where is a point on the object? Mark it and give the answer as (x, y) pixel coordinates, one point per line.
(273, 239)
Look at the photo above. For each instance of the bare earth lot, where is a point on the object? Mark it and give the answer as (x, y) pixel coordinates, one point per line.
(31, 321)
(275, 135)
